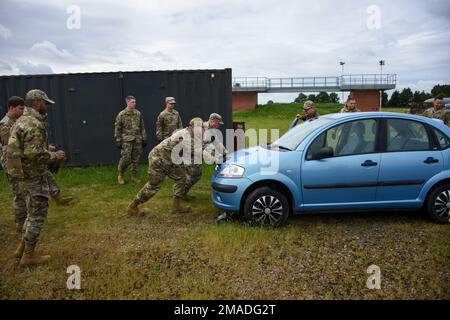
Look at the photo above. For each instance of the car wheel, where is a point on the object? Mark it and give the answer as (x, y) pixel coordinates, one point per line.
(438, 204)
(266, 207)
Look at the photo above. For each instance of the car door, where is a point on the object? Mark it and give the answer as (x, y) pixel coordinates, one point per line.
(409, 160)
(350, 176)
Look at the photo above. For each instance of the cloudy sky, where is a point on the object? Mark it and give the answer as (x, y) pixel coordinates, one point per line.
(273, 38)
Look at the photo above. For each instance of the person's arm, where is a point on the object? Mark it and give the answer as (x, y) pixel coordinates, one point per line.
(143, 132)
(180, 123)
(159, 128)
(14, 154)
(118, 129)
(294, 123)
(33, 147)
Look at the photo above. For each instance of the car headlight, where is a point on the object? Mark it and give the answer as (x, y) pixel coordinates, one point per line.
(231, 171)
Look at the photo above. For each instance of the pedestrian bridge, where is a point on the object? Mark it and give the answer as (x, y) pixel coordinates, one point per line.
(316, 84)
(365, 88)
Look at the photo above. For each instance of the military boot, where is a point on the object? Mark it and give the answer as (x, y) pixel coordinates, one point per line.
(179, 207)
(133, 209)
(30, 256)
(120, 179)
(187, 197)
(19, 224)
(62, 201)
(135, 179)
(19, 251)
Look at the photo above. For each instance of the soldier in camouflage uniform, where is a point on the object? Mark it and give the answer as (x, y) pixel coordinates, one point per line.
(27, 161)
(194, 170)
(168, 121)
(16, 107)
(130, 137)
(310, 114)
(438, 111)
(350, 106)
(162, 163)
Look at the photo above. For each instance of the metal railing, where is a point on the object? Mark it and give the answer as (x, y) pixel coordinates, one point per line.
(368, 79)
(332, 83)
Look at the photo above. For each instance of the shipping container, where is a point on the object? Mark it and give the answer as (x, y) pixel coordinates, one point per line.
(82, 120)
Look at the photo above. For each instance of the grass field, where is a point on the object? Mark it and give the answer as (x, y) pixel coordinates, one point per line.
(189, 256)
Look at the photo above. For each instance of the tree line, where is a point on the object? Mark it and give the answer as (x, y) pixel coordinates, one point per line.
(406, 96)
(399, 99)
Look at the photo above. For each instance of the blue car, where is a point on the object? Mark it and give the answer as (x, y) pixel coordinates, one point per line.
(341, 162)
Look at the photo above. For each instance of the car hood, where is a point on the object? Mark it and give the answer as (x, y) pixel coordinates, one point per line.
(259, 159)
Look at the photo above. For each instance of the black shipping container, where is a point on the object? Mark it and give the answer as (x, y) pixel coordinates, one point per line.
(82, 120)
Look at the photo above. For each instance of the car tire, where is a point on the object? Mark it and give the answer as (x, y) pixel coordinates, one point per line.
(438, 204)
(266, 207)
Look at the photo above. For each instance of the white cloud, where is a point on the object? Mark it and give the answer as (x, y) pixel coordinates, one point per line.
(5, 33)
(49, 50)
(255, 38)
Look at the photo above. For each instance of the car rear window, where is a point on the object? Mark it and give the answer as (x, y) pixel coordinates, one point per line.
(443, 140)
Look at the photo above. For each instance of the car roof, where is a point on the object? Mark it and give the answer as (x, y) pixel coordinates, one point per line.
(358, 115)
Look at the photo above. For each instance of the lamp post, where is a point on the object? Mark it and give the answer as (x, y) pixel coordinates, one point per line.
(342, 63)
(382, 63)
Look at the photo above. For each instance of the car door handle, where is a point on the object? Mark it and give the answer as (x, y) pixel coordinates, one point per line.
(431, 160)
(369, 163)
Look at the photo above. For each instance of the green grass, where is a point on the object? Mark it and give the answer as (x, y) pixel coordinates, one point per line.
(188, 256)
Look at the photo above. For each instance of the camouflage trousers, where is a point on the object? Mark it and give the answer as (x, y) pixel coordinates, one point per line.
(53, 186)
(130, 154)
(158, 169)
(37, 195)
(19, 201)
(193, 175)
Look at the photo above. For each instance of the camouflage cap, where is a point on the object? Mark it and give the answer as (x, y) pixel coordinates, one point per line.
(308, 104)
(170, 100)
(37, 94)
(217, 117)
(196, 122)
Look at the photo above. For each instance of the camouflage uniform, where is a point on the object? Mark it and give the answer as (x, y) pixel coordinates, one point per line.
(345, 110)
(53, 186)
(27, 160)
(130, 134)
(167, 123)
(161, 165)
(193, 170)
(19, 203)
(442, 114)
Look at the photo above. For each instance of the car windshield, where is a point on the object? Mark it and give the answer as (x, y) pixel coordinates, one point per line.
(291, 139)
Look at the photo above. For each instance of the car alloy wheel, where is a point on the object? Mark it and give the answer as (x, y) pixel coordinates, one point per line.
(267, 210)
(442, 204)
(438, 204)
(266, 207)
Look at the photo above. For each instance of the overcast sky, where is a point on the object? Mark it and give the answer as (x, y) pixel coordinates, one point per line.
(273, 38)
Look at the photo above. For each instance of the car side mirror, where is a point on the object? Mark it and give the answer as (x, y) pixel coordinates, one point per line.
(326, 152)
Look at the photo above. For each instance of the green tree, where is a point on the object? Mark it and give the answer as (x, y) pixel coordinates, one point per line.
(416, 97)
(312, 97)
(334, 98)
(384, 99)
(441, 90)
(425, 96)
(301, 98)
(323, 97)
(405, 97)
(394, 100)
